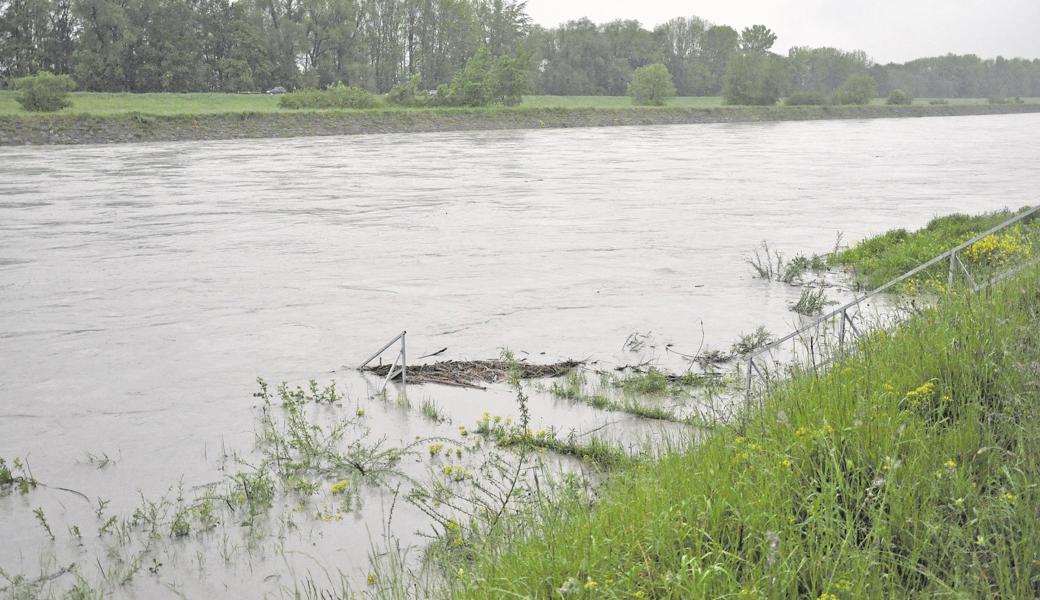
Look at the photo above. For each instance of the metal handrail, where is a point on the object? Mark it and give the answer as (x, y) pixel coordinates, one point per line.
(402, 358)
(950, 255)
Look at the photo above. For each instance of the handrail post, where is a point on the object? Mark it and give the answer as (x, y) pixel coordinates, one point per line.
(953, 268)
(404, 360)
(841, 330)
(750, 363)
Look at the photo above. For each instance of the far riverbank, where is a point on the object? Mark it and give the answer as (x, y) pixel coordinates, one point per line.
(130, 128)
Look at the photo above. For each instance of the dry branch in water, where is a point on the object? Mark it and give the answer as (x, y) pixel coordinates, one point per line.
(468, 373)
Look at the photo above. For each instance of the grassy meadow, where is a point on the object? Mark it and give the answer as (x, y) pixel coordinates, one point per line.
(908, 471)
(160, 104)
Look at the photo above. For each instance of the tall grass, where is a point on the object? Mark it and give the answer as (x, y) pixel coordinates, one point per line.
(880, 259)
(908, 471)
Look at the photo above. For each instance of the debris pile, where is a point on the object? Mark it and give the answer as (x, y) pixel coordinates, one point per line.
(467, 373)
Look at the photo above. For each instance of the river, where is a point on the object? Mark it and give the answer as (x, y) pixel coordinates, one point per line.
(143, 288)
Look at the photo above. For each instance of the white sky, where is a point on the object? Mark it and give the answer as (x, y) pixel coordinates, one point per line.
(888, 30)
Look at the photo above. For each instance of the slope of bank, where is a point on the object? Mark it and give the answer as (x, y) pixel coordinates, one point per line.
(908, 471)
(82, 129)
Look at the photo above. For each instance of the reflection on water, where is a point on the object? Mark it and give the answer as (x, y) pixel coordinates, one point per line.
(144, 287)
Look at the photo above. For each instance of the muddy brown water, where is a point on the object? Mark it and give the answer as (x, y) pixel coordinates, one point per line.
(143, 288)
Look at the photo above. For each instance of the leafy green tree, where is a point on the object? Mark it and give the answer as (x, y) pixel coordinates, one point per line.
(680, 42)
(756, 79)
(651, 86)
(486, 80)
(757, 39)
(509, 79)
(470, 86)
(858, 89)
(823, 70)
(44, 92)
(719, 44)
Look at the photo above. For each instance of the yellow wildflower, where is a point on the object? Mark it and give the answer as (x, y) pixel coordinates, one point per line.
(950, 464)
(340, 486)
(590, 583)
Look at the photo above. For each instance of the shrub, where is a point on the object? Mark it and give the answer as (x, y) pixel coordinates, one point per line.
(44, 92)
(406, 93)
(806, 99)
(899, 97)
(485, 80)
(858, 89)
(651, 85)
(340, 96)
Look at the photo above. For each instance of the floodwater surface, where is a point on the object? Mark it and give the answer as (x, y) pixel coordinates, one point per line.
(144, 288)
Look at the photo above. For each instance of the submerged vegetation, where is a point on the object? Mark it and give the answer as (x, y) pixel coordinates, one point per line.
(904, 470)
(908, 470)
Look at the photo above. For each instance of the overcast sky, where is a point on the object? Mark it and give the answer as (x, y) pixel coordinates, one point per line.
(888, 30)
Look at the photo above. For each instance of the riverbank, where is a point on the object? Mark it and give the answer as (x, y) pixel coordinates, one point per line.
(906, 471)
(136, 127)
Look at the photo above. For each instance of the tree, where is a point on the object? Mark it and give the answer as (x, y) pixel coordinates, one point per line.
(823, 70)
(858, 89)
(680, 42)
(509, 79)
(651, 86)
(756, 79)
(44, 92)
(718, 45)
(757, 39)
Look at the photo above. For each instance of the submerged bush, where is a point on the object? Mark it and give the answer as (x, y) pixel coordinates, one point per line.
(899, 97)
(340, 96)
(806, 99)
(44, 92)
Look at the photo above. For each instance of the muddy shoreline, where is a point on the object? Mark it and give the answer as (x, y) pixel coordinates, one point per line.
(44, 130)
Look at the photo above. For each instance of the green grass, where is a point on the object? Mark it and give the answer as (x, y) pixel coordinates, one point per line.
(99, 104)
(106, 104)
(908, 471)
(614, 102)
(877, 260)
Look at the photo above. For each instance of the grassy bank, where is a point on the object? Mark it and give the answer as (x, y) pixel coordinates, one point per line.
(880, 259)
(908, 471)
(107, 104)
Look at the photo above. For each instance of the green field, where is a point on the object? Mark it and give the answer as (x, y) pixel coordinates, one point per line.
(104, 104)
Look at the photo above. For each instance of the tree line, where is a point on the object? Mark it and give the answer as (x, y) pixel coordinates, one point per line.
(254, 45)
